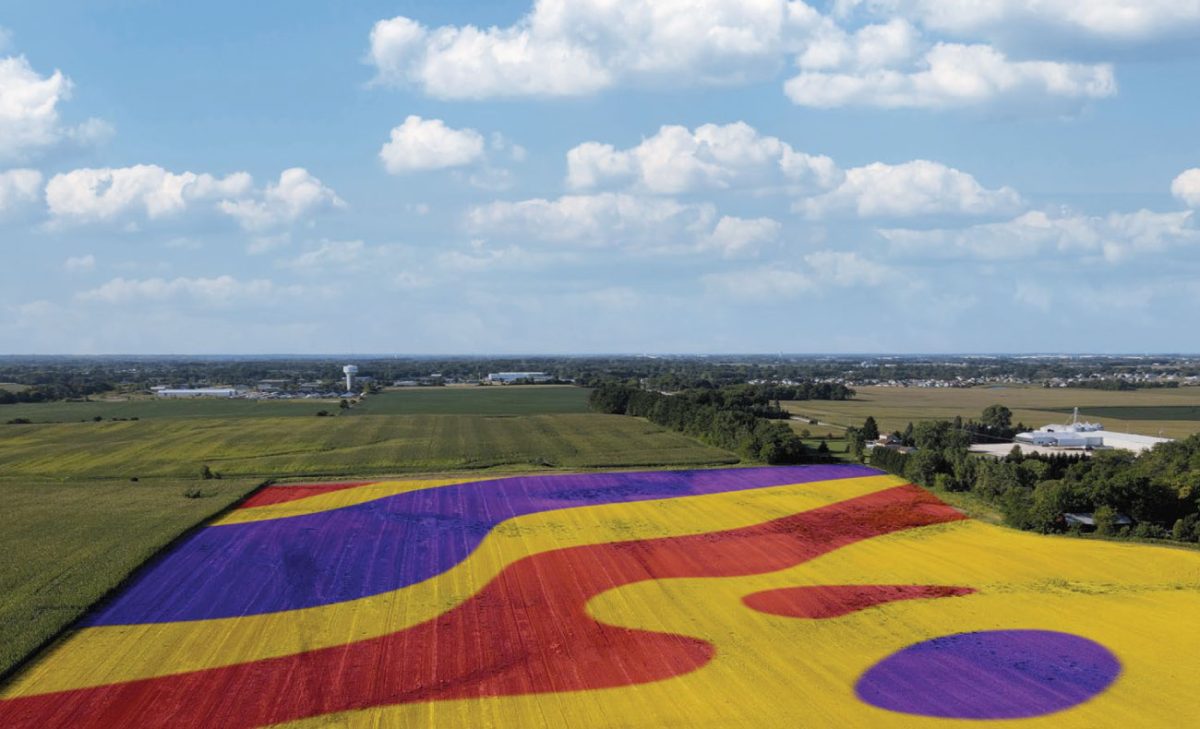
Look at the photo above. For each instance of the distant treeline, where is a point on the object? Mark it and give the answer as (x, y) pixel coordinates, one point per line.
(1159, 489)
(739, 419)
(53, 376)
(1122, 385)
(66, 386)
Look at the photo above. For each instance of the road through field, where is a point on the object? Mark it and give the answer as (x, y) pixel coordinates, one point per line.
(790, 596)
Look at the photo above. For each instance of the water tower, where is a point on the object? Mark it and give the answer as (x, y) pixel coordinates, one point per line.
(350, 371)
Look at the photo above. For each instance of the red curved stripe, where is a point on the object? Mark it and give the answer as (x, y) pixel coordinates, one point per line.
(283, 494)
(527, 631)
(832, 601)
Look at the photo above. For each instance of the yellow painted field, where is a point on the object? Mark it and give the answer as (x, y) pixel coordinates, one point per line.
(750, 597)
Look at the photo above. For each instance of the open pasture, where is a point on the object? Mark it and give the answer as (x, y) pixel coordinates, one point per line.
(341, 447)
(1173, 412)
(788, 596)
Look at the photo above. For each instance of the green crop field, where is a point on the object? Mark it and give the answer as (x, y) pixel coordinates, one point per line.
(63, 546)
(342, 446)
(75, 524)
(1149, 412)
(1136, 412)
(492, 400)
(149, 408)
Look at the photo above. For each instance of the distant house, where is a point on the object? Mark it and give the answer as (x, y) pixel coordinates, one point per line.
(891, 442)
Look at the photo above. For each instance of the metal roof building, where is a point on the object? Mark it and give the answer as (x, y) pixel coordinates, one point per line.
(198, 392)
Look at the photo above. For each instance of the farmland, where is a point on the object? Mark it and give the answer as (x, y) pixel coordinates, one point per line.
(1173, 412)
(343, 446)
(510, 400)
(63, 546)
(493, 400)
(149, 408)
(790, 596)
(82, 522)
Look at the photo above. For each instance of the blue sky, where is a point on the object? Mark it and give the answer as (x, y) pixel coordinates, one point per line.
(599, 176)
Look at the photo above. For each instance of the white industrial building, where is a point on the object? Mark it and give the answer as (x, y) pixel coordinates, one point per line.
(1077, 435)
(197, 392)
(506, 378)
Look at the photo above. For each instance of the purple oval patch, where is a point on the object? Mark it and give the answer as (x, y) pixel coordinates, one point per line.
(999, 674)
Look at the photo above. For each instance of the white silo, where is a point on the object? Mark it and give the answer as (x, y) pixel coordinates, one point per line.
(350, 371)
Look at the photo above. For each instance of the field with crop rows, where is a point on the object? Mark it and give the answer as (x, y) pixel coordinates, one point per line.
(1171, 412)
(490, 400)
(63, 546)
(495, 400)
(74, 411)
(754, 597)
(336, 447)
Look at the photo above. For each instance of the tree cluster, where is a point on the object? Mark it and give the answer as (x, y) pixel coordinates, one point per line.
(1158, 490)
(728, 418)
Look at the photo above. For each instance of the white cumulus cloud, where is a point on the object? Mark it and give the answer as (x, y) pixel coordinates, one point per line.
(1115, 20)
(872, 46)
(297, 195)
(101, 194)
(742, 236)
(919, 187)
(29, 118)
(713, 156)
(577, 47)
(580, 47)
(1186, 187)
(954, 75)
(625, 221)
(1113, 237)
(428, 144)
(149, 192)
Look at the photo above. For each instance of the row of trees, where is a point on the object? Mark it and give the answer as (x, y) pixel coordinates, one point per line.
(995, 425)
(1159, 490)
(728, 418)
(1121, 385)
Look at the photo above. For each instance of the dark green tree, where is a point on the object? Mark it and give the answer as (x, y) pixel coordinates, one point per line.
(997, 417)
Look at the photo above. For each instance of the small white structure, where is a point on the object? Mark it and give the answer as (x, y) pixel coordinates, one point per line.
(197, 392)
(1087, 435)
(350, 371)
(507, 378)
